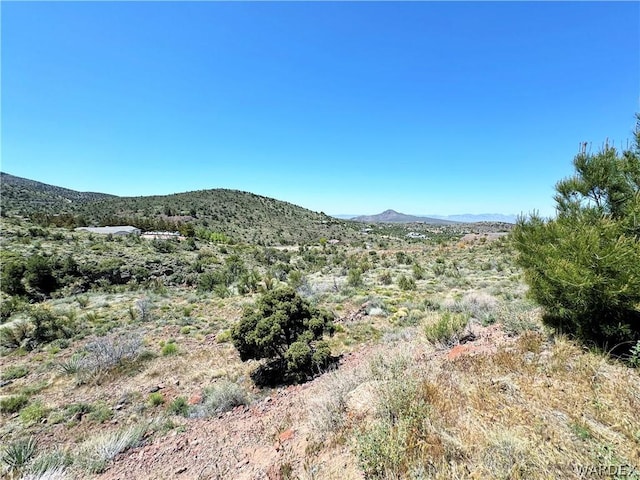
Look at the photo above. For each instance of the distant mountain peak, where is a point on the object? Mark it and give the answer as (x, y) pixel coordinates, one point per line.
(392, 216)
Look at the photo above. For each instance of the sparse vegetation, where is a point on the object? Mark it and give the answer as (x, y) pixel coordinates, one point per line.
(139, 339)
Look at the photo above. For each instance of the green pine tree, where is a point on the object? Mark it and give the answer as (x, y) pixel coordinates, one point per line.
(583, 266)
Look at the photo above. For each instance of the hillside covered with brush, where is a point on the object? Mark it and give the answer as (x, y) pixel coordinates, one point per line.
(230, 214)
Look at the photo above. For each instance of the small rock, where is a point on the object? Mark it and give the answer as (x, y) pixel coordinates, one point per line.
(154, 389)
(120, 406)
(242, 463)
(180, 470)
(195, 399)
(286, 435)
(268, 400)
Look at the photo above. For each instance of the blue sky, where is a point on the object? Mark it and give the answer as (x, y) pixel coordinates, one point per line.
(339, 107)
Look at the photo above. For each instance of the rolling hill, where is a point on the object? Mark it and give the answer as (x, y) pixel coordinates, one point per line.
(21, 195)
(241, 216)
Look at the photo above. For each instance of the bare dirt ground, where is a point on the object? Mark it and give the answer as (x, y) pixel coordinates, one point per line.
(260, 441)
(270, 439)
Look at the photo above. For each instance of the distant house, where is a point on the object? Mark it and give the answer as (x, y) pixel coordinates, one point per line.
(160, 235)
(119, 230)
(416, 235)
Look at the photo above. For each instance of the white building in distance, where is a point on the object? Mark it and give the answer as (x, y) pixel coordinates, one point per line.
(119, 230)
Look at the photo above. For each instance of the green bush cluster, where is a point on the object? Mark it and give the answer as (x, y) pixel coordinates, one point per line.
(285, 329)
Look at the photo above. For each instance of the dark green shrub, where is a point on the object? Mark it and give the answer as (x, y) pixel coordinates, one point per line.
(164, 246)
(49, 326)
(582, 266)
(287, 330)
(418, 271)
(11, 273)
(10, 306)
(39, 276)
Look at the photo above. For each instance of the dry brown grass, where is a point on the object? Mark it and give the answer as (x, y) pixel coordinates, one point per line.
(531, 410)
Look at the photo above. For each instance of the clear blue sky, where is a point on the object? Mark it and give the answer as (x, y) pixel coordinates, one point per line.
(339, 107)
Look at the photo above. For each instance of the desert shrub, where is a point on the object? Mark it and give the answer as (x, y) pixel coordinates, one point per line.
(39, 276)
(354, 278)
(285, 329)
(328, 409)
(164, 246)
(10, 306)
(156, 399)
(447, 329)
(13, 403)
(103, 355)
(33, 413)
(169, 348)
(295, 279)
(224, 336)
(221, 397)
(385, 278)
(95, 453)
(16, 454)
(72, 365)
(208, 281)
(248, 282)
(234, 268)
(479, 305)
(13, 372)
(633, 358)
(49, 326)
(100, 413)
(179, 406)
(582, 265)
(142, 308)
(403, 258)
(406, 283)
(12, 268)
(15, 335)
(418, 271)
(50, 465)
(398, 436)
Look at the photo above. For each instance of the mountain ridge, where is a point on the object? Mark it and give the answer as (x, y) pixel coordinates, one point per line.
(391, 216)
(456, 218)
